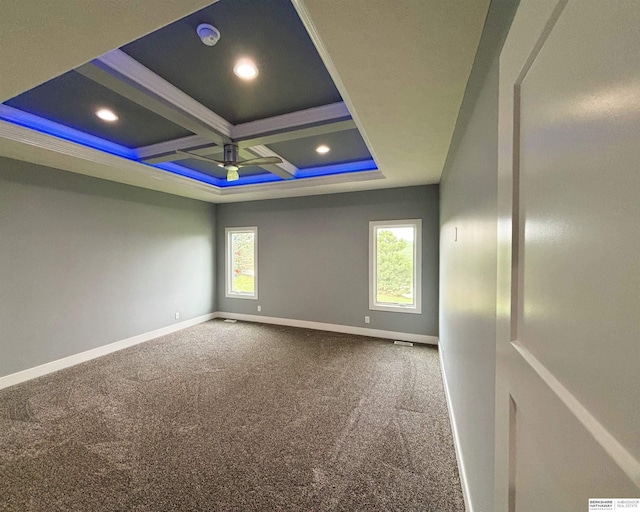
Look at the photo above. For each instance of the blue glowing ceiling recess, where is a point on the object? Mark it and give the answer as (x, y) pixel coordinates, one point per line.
(234, 94)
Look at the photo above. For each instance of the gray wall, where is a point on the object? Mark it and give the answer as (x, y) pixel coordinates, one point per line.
(86, 262)
(468, 270)
(313, 256)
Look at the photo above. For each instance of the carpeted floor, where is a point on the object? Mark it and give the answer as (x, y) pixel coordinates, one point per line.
(234, 417)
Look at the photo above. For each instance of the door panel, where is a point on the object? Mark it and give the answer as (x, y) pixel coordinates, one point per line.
(580, 210)
(558, 462)
(569, 273)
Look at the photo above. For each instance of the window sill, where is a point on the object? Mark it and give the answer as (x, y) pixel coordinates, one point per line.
(395, 309)
(240, 296)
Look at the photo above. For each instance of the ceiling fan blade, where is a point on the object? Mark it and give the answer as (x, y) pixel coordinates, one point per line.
(199, 157)
(266, 160)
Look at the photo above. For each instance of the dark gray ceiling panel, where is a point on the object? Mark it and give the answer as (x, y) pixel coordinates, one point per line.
(291, 74)
(72, 100)
(346, 146)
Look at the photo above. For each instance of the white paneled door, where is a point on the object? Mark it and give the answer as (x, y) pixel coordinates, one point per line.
(568, 368)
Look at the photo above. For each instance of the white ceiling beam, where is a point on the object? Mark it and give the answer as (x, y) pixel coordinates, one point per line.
(291, 121)
(127, 77)
(131, 69)
(294, 125)
(111, 80)
(166, 151)
(295, 133)
(169, 146)
(125, 68)
(284, 169)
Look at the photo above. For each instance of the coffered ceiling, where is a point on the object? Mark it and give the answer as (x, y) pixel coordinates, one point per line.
(381, 88)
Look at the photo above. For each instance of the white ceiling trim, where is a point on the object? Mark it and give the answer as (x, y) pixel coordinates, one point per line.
(11, 134)
(33, 146)
(333, 112)
(139, 74)
(288, 169)
(308, 23)
(30, 137)
(296, 133)
(307, 182)
(147, 153)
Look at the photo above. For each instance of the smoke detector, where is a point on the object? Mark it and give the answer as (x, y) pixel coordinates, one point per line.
(208, 34)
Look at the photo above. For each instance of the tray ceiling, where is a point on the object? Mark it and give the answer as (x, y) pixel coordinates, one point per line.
(325, 78)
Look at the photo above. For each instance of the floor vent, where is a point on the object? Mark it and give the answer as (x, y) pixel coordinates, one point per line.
(403, 343)
(230, 321)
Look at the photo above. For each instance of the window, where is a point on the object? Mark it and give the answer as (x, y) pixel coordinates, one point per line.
(394, 265)
(242, 262)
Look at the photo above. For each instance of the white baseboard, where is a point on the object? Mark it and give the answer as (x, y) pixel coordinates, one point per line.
(319, 326)
(65, 362)
(456, 439)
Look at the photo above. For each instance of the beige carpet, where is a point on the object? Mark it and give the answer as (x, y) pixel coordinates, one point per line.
(234, 417)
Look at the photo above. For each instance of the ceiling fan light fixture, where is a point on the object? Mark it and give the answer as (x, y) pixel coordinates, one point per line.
(245, 69)
(231, 163)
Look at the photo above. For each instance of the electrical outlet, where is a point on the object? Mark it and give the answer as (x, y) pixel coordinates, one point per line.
(177, 315)
(259, 308)
(367, 319)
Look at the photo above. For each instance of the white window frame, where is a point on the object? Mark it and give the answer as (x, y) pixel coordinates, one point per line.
(374, 225)
(228, 259)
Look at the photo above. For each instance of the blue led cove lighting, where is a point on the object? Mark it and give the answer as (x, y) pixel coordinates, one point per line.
(42, 125)
(330, 170)
(186, 172)
(47, 127)
(252, 180)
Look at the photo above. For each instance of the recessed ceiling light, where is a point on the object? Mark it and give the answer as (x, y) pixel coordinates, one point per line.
(245, 69)
(323, 149)
(107, 115)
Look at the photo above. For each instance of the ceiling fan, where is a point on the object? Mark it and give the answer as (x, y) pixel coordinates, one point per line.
(231, 162)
